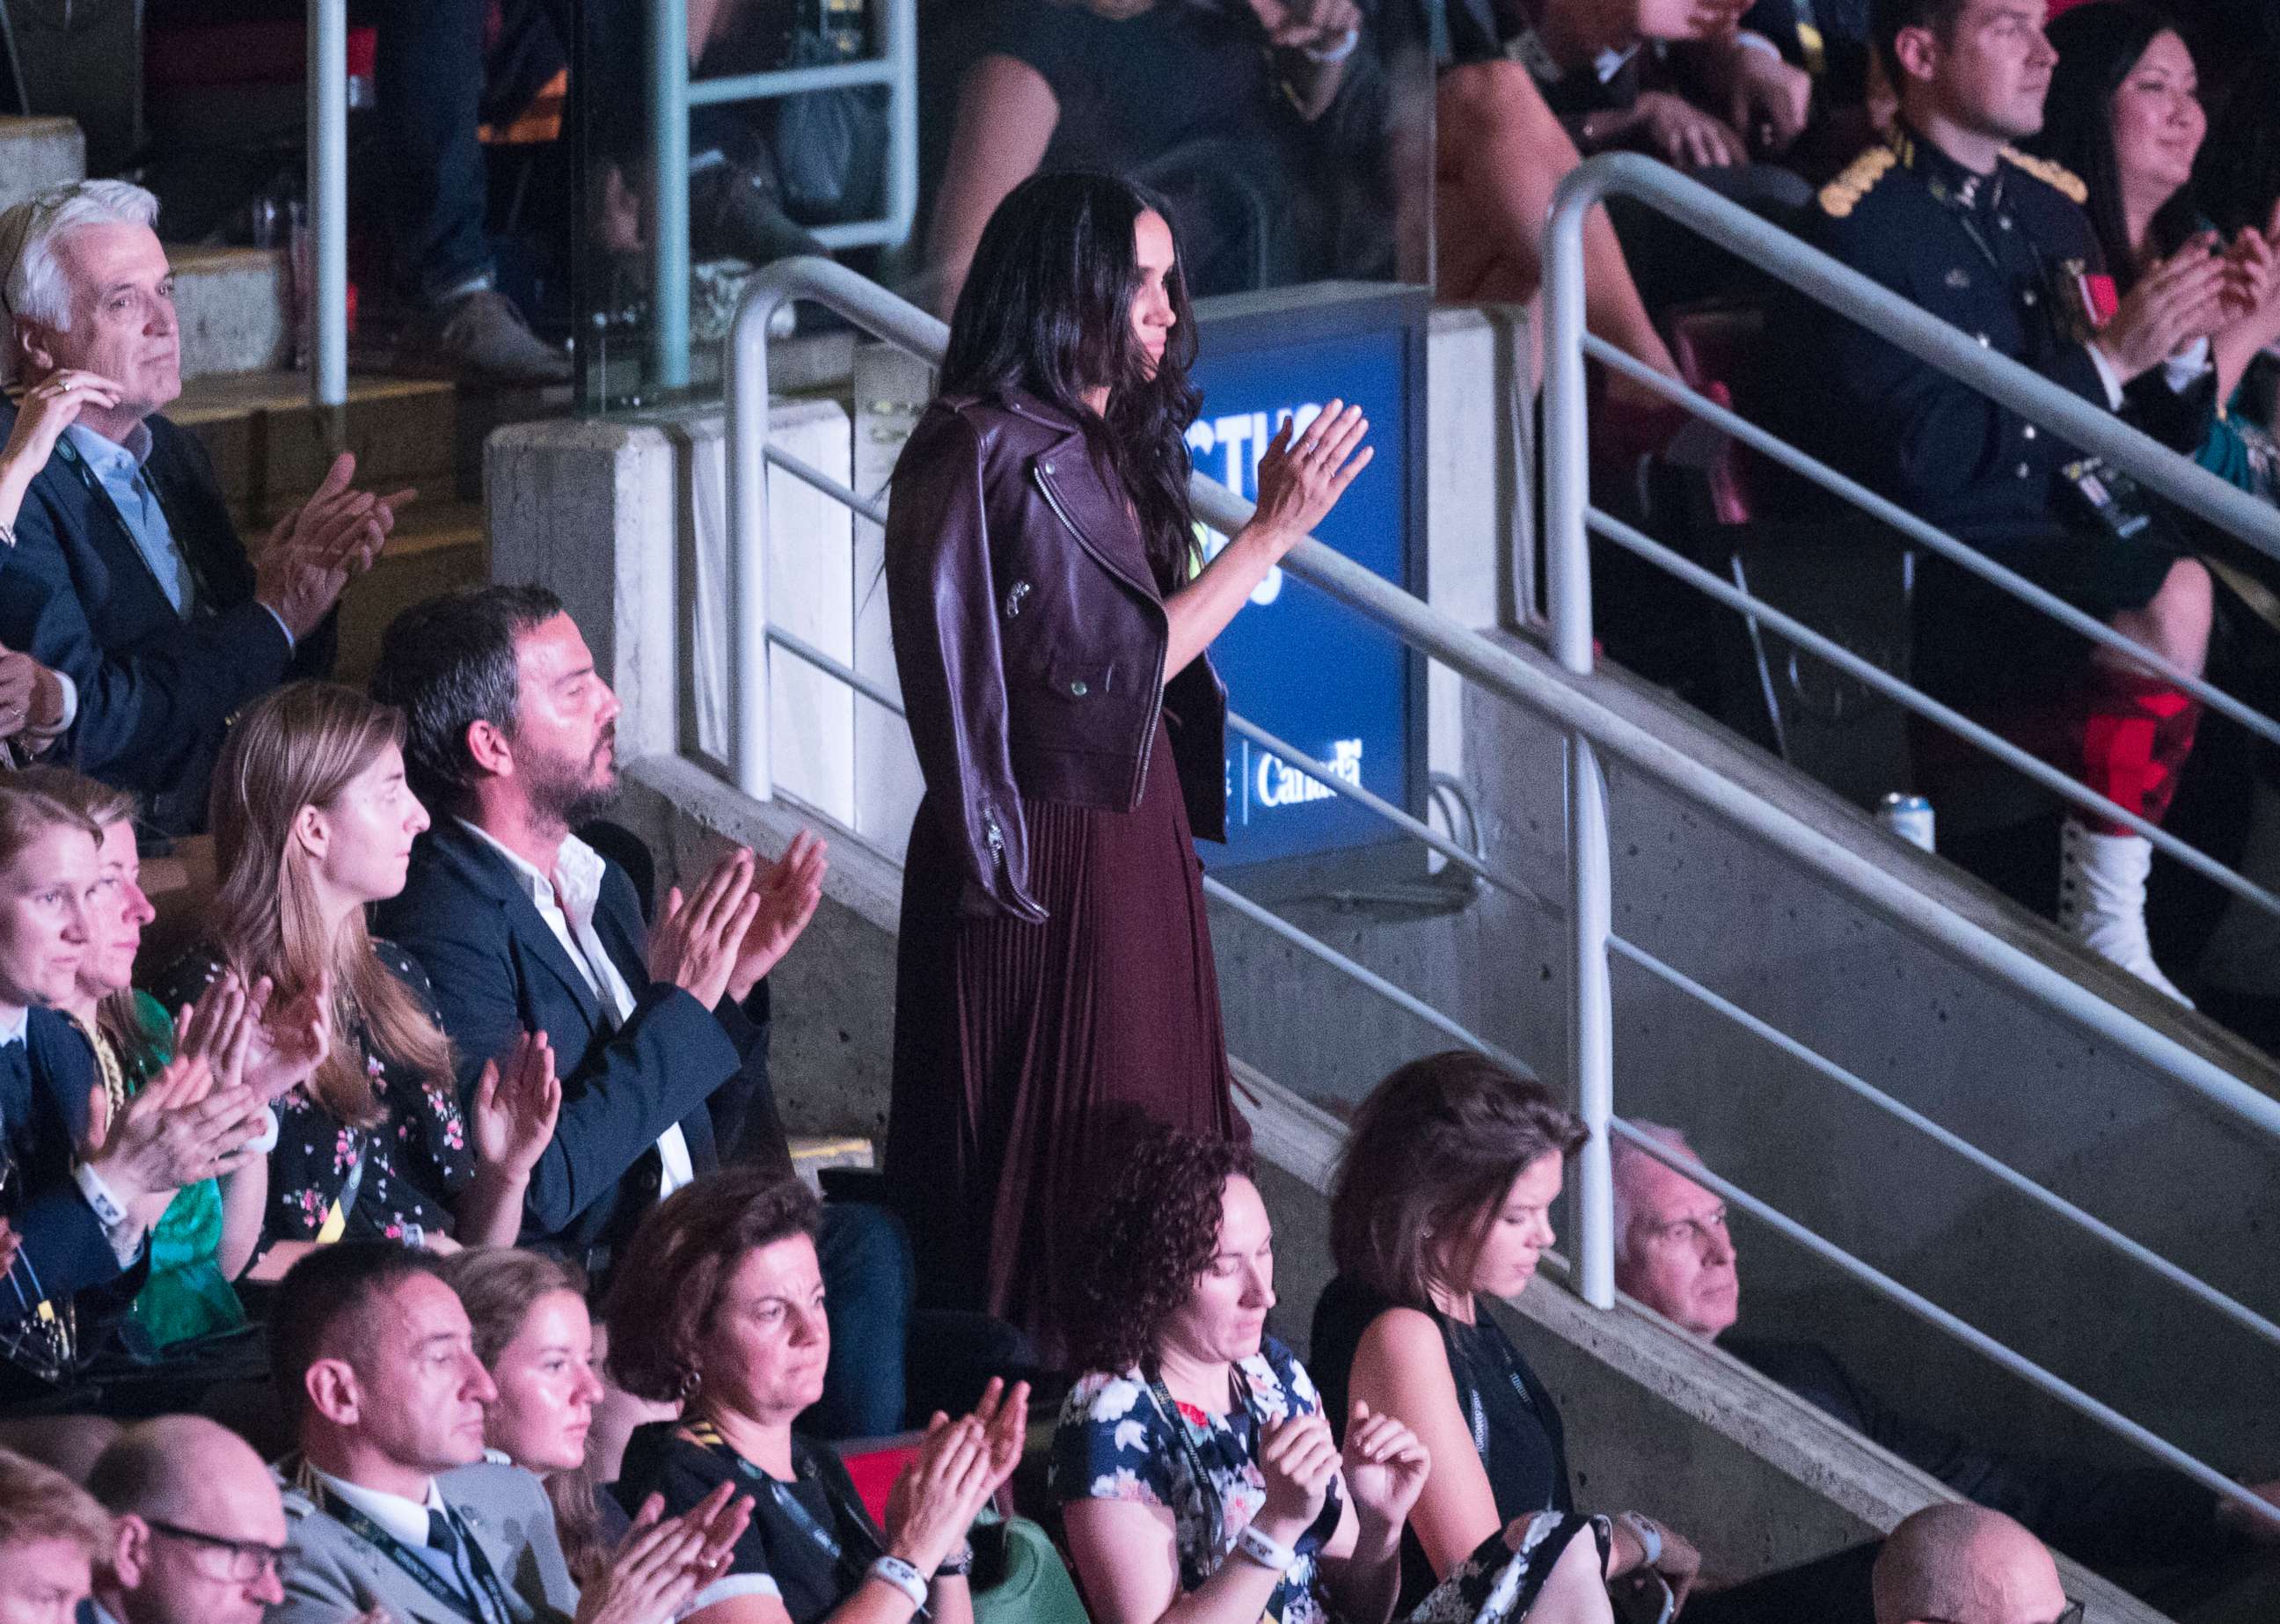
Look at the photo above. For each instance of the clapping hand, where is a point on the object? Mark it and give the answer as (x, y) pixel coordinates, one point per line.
(663, 1562)
(788, 894)
(2178, 299)
(11, 1245)
(31, 696)
(516, 1107)
(697, 939)
(1298, 1459)
(178, 1130)
(960, 1464)
(291, 1037)
(1385, 1465)
(314, 549)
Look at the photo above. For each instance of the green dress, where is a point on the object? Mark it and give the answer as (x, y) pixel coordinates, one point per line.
(187, 1295)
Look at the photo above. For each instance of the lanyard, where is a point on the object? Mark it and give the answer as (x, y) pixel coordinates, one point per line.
(795, 1511)
(488, 1603)
(1215, 1508)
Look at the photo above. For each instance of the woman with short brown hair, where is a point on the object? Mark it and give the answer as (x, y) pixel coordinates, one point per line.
(718, 1306)
(1444, 1197)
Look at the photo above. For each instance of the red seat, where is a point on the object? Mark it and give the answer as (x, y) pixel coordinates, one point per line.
(1717, 347)
(874, 1471)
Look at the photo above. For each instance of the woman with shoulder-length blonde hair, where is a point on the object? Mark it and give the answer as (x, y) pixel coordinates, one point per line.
(312, 822)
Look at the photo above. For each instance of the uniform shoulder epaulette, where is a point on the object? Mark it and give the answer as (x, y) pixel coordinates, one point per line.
(2058, 177)
(1841, 195)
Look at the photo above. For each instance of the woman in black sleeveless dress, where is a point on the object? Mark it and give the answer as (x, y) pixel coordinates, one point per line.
(1054, 974)
(1442, 1201)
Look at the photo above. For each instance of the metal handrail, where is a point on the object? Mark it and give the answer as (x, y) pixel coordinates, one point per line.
(328, 201)
(1590, 728)
(672, 94)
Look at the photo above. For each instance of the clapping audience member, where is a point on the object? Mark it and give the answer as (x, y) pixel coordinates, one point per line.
(718, 1305)
(1197, 1475)
(1923, 213)
(313, 822)
(52, 1536)
(1443, 1205)
(81, 1195)
(199, 1532)
(208, 1230)
(1674, 1254)
(128, 579)
(533, 1334)
(1961, 1565)
(392, 1504)
(2125, 112)
(660, 1036)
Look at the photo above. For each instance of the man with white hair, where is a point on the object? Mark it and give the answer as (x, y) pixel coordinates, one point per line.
(1673, 1253)
(124, 573)
(1965, 1565)
(198, 1527)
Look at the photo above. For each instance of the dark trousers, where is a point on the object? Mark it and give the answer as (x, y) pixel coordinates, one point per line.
(430, 79)
(868, 1284)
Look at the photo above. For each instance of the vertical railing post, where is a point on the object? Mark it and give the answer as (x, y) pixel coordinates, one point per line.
(902, 46)
(668, 193)
(746, 619)
(327, 294)
(1567, 492)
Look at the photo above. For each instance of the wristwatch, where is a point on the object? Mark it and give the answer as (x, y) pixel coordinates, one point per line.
(958, 1564)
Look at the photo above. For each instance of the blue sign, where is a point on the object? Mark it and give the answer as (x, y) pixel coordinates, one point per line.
(1308, 670)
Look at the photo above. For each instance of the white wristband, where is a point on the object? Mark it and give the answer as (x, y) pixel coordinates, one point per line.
(1274, 1558)
(903, 1576)
(1336, 52)
(1644, 1531)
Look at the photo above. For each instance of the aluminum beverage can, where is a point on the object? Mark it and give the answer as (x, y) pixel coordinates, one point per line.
(1909, 816)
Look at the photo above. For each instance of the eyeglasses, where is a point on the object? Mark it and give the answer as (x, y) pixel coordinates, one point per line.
(1696, 1232)
(2074, 1613)
(249, 1559)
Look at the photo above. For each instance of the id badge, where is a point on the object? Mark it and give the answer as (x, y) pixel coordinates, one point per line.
(2107, 497)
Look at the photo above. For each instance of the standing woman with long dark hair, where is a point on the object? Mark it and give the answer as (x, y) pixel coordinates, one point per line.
(1050, 611)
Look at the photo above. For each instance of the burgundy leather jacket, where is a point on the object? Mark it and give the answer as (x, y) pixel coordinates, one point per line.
(1030, 637)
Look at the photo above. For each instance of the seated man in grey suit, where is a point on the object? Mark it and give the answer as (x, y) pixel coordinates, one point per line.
(199, 1533)
(392, 1504)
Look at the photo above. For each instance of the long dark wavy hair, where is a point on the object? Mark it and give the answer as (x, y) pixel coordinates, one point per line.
(2099, 45)
(1046, 308)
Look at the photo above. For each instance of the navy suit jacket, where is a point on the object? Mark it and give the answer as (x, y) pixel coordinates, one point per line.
(500, 971)
(44, 1083)
(156, 690)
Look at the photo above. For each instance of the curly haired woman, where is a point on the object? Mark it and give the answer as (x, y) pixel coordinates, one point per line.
(1199, 1480)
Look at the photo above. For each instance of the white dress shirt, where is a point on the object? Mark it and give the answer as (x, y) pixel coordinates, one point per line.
(568, 911)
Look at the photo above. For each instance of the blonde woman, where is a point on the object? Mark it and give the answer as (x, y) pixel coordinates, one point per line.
(312, 822)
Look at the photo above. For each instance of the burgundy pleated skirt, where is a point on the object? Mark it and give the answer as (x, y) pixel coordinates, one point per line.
(1022, 1051)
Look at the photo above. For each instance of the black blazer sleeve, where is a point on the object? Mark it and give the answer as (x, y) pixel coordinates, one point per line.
(151, 702)
(65, 1247)
(664, 1063)
(2096, 1514)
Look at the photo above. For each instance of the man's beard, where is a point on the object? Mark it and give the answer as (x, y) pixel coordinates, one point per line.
(571, 799)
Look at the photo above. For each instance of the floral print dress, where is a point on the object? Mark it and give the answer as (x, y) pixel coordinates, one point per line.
(416, 1160)
(1122, 1437)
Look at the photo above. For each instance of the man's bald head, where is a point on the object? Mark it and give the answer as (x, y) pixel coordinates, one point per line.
(172, 1466)
(192, 1502)
(1966, 1565)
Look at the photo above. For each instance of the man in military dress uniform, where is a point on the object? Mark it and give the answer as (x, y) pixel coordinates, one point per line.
(1945, 213)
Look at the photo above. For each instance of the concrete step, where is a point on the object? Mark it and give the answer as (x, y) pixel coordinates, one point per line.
(269, 446)
(235, 307)
(437, 546)
(38, 153)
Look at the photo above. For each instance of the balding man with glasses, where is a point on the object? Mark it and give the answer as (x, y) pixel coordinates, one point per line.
(199, 1527)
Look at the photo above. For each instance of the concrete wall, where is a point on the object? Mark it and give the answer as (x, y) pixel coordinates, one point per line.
(2179, 1175)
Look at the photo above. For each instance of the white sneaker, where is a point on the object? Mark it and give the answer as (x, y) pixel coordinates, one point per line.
(2102, 900)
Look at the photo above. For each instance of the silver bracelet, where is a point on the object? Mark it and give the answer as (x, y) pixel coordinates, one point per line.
(1274, 1558)
(903, 1576)
(958, 1564)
